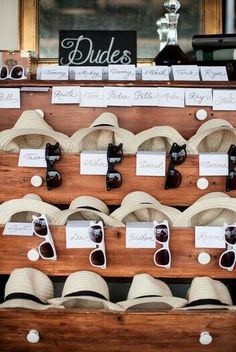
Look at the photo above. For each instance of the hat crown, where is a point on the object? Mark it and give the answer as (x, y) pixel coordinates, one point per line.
(89, 202)
(106, 118)
(31, 119)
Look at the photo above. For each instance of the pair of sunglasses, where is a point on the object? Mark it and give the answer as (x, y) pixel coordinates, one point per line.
(41, 229)
(96, 234)
(114, 155)
(231, 178)
(228, 258)
(16, 72)
(162, 257)
(52, 155)
(178, 155)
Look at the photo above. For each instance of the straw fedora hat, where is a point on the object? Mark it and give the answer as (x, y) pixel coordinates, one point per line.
(148, 293)
(31, 131)
(22, 209)
(28, 288)
(215, 135)
(158, 138)
(212, 209)
(85, 289)
(206, 293)
(104, 130)
(141, 206)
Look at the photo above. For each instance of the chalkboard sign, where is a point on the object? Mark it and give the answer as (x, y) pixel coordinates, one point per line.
(97, 48)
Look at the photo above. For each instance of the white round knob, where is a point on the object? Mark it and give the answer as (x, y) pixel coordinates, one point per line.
(204, 258)
(33, 255)
(33, 336)
(40, 112)
(201, 114)
(205, 338)
(202, 183)
(36, 181)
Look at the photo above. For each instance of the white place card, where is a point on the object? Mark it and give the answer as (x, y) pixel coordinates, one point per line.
(77, 234)
(144, 96)
(10, 98)
(121, 73)
(93, 163)
(224, 99)
(155, 73)
(18, 229)
(92, 97)
(150, 163)
(213, 164)
(32, 158)
(86, 73)
(185, 72)
(66, 95)
(214, 73)
(56, 73)
(171, 97)
(140, 235)
(118, 96)
(209, 237)
(198, 97)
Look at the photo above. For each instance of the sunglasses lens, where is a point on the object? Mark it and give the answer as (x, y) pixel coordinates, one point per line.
(3, 72)
(53, 179)
(114, 153)
(231, 181)
(178, 154)
(173, 179)
(113, 180)
(230, 235)
(227, 259)
(161, 233)
(162, 257)
(52, 153)
(95, 234)
(40, 227)
(17, 72)
(97, 258)
(46, 250)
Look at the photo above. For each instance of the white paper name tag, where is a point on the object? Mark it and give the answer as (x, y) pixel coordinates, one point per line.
(77, 235)
(224, 99)
(145, 96)
(150, 163)
(32, 158)
(155, 73)
(209, 237)
(173, 97)
(185, 72)
(56, 73)
(121, 72)
(86, 73)
(93, 97)
(18, 228)
(93, 163)
(214, 73)
(140, 235)
(118, 96)
(10, 98)
(66, 95)
(213, 164)
(198, 97)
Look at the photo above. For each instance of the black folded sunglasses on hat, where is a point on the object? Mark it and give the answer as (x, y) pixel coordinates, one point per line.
(178, 155)
(114, 155)
(52, 155)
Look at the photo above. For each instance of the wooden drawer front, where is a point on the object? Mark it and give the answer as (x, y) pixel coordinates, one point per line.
(75, 185)
(108, 332)
(121, 262)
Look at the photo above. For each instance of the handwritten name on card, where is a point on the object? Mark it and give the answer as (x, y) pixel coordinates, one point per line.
(18, 228)
(150, 163)
(10, 98)
(93, 163)
(171, 97)
(121, 72)
(140, 235)
(209, 237)
(56, 73)
(185, 72)
(198, 97)
(224, 99)
(155, 73)
(66, 95)
(118, 96)
(86, 73)
(213, 164)
(145, 96)
(32, 158)
(214, 73)
(92, 97)
(77, 234)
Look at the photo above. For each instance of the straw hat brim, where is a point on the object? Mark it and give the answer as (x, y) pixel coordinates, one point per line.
(207, 306)
(172, 302)
(88, 201)
(85, 302)
(24, 303)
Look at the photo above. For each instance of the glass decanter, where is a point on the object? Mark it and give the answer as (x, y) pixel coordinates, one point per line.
(171, 54)
(162, 30)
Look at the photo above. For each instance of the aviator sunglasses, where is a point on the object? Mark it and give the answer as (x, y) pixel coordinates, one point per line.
(228, 258)
(52, 155)
(16, 72)
(96, 234)
(41, 229)
(231, 177)
(162, 257)
(114, 155)
(178, 155)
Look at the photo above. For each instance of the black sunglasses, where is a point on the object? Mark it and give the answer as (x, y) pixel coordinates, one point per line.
(231, 177)
(178, 155)
(114, 155)
(52, 155)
